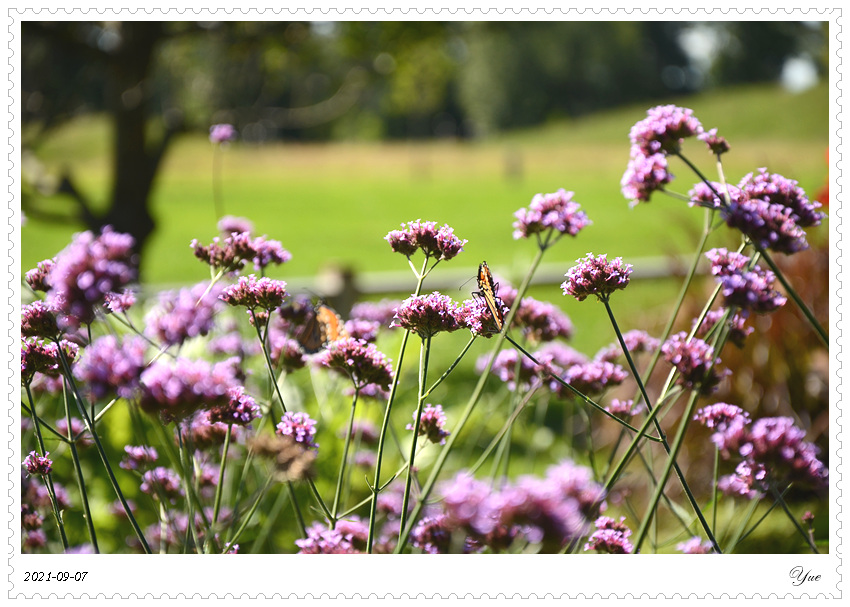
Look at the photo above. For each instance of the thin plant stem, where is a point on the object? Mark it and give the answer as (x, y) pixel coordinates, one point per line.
(470, 406)
(247, 518)
(342, 464)
(742, 536)
(51, 490)
(218, 489)
(685, 487)
(790, 515)
(376, 487)
(424, 353)
(665, 475)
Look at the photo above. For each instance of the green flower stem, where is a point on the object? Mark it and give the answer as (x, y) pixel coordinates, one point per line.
(376, 487)
(424, 354)
(790, 515)
(339, 483)
(579, 394)
(739, 536)
(269, 365)
(679, 473)
(247, 519)
(665, 475)
(51, 491)
(501, 433)
(187, 469)
(794, 295)
(470, 406)
(81, 483)
(451, 367)
(366, 500)
(269, 522)
(43, 424)
(218, 488)
(715, 493)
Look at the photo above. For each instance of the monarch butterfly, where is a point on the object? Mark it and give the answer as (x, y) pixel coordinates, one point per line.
(488, 292)
(323, 327)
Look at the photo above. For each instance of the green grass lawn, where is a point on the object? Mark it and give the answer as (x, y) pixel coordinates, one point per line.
(334, 203)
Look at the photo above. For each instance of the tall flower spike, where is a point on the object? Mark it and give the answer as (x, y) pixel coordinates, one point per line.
(596, 276)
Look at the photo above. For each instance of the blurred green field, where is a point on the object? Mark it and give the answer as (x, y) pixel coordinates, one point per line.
(333, 203)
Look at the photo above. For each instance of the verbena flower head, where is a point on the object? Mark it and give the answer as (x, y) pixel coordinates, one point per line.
(716, 144)
(37, 277)
(439, 243)
(348, 537)
(432, 535)
(38, 320)
(222, 133)
(664, 129)
(750, 289)
(206, 434)
(505, 366)
(381, 312)
(38, 464)
(138, 457)
(118, 303)
(590, 378)
(432, 424)
(427, 315)
(736, 324)
(180, 316)
(476, 316)
(38, 356)
(625, 408)
(356, 359)
(637, 341)
(555, 211)
(596, 276)
(86, 270)
(231, 253)
(253, 293)
(729, 424)
(112, 366)
(694, 546)
(610, 537)
(367, 330)
(300, 427)
(286, 352)
(241, 409)
(707, 197)
(234, 225)
(163, 484)
(694, 360)
(644, 176)
(177, 389)
(778, 190)
(540, 321)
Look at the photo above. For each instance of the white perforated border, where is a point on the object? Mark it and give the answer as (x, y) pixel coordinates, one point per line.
(289, 576)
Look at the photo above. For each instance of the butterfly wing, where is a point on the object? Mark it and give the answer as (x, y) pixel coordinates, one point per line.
(488, 291)
(311, 337)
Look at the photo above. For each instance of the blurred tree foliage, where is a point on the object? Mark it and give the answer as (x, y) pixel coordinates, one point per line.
(341, 80)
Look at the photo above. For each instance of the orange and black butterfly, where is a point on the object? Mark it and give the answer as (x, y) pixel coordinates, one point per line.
(488, 292)
(323, 327)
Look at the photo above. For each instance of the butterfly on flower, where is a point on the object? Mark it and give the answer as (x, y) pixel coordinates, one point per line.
(488, 291)
(322, 327)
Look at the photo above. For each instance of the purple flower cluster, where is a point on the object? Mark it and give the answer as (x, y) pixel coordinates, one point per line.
(555, 211)
(360, 361)
(86, 270)
(241, 409)
(38, 356)
(505, 368)
(540, 321)
(285, 351)
(476, 316)
(38, 320)
(596, 276)
(427, 315)
(729, 424)
(222, 133)
(432, 424)
(300, 427)
(38, 464)
(772, 211)
(381, 312)
(549, 511)
(365, 330)
(109, 366)
(234, 225)
(694, 360)
(440, 243)
(253, 293)
(694, 546)
(162, 483)
(207, 434)
(138, 457)
(652, 139)
(118, 303)
(704, 196)
(749, 289)
(716, 144)
(232, 252)
(37, 277)
(610, 537)
(625, 407)
(184, 314)
(590, 378)
(738, 331)
(347, 537)
(636, 341)
(178, 389)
